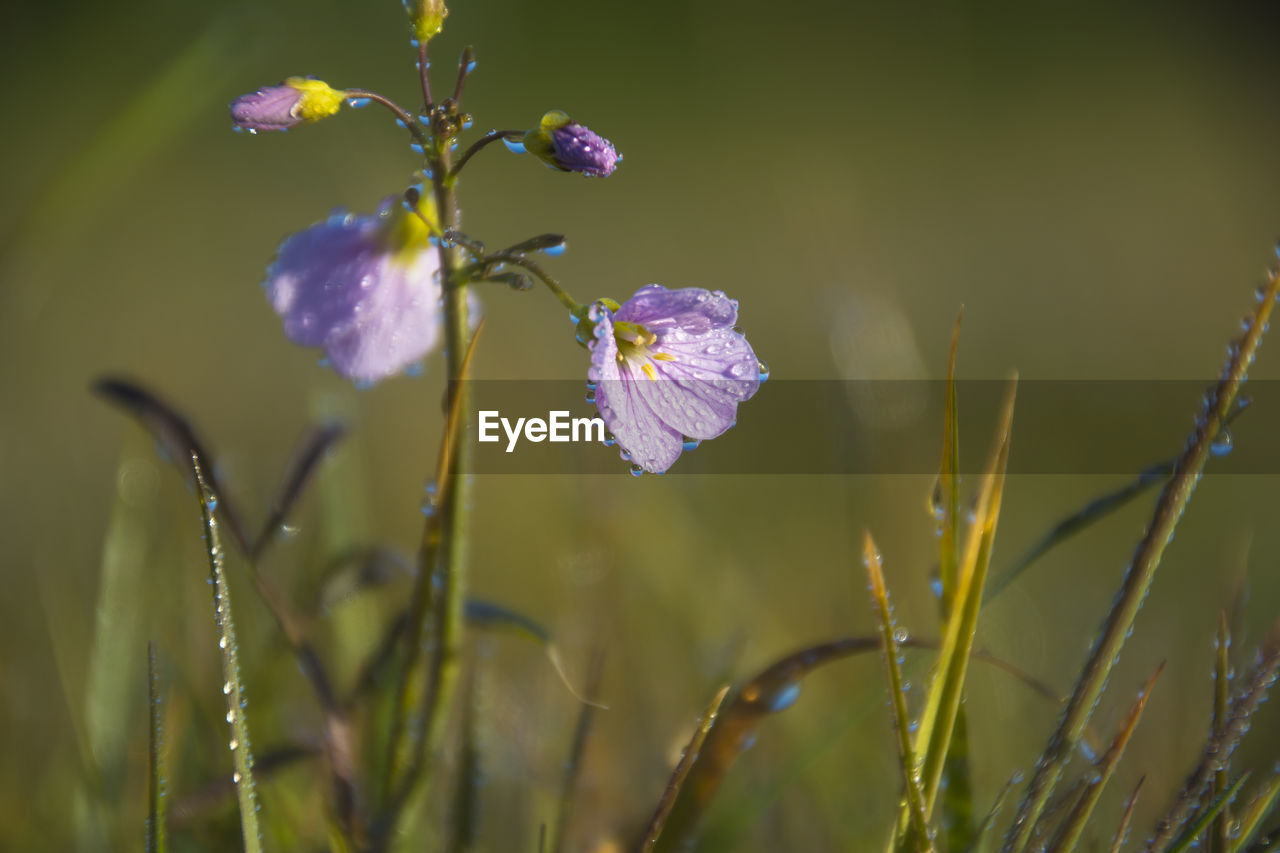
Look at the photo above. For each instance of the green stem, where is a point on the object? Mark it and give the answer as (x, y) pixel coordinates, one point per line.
(450, 568)
(575, 308)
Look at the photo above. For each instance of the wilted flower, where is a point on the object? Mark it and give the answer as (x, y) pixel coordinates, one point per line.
(365, 288)
(669, 368)
(570, 147)
(296, 100)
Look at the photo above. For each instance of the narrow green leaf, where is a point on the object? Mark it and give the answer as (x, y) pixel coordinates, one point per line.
(1191, 838)
(901, 720)
(946, 691)
(957, 801)
(1072, 827)
(157, 803)
(232, 688)
(1249, 823)
(1218, 404)
(1122, 832)
(653, 830)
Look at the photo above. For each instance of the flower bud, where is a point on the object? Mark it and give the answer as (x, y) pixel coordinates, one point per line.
(426, 17)
(563, 144)
(296, 100)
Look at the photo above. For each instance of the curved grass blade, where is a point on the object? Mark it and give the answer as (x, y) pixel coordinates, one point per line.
(901, 720)
(573, 765)
(1252, 815)
(232, 688)
(177, 439)
(774, 689)
(1072, 827)
(157, 804)
(1218, 404)
(653, 830)
(1092, 512)
(312, 449)
(211, 797)
(946, 691)
(1191, 838)
(980, 835)
(1122, 832)
(1221, 746)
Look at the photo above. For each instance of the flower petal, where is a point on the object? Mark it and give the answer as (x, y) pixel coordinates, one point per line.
(337, 285)
(691, 309)
(651, 443)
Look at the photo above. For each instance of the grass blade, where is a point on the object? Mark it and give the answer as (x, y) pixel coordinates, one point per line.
(573, 765)
(653, 830)
(1191, 838)
(901, 721)
(1252, 816)
(1221, 746)
(1122, 831)
(997, 805)
(313, 448)
(947, 687)
(157, 804)
(177, 439)
(1220, 835)
(1218, 404)
(957, 802)
(1078, 818)
(232, 688)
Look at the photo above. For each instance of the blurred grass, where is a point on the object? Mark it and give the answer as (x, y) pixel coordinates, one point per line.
(1062, 171)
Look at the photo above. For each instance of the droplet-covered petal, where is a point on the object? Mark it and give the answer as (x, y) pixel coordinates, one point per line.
(639, 430)
(350, 286)
(269, 108)
(669, 365)
(564, 144)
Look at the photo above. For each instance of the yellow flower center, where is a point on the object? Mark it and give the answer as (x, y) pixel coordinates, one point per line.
(635, 346)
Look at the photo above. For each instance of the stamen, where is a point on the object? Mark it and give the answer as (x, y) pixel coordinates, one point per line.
(649, 371)
(663, 356)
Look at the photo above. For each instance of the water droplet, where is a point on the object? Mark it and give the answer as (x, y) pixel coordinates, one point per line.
(590, 396)
(609, 440)
(416, 147)
(936, 586)
(471, 66)
(764, 372)
(358, 103)
(784, 698)
(636, 470)
(515, 146)
(557, 249)
(690, 443)
(1221, 445)
(900, 635)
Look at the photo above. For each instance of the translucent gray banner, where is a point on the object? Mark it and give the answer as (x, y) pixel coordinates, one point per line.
(892, 427)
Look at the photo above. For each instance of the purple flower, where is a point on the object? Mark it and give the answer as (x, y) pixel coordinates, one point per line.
(571, 147)
(296, 100)
(669, 369)
(364, 288)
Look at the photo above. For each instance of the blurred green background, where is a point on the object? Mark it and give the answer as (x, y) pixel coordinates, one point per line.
(1097, 186)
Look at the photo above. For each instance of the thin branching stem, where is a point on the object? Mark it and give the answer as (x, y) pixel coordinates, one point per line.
(479, 145)
(424, 74)
(411, 124)
(1173, 501)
